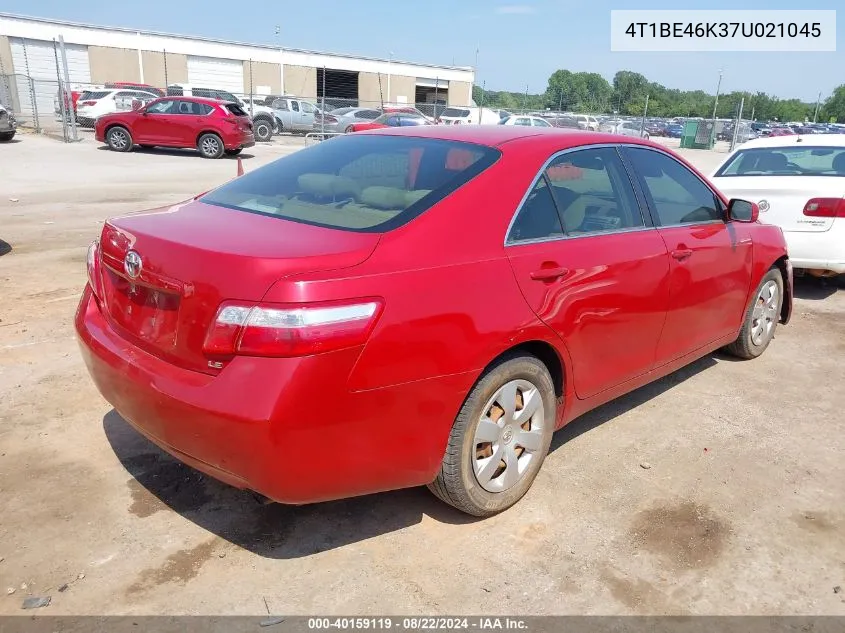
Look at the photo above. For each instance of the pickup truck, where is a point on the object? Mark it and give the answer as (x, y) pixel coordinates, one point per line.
(294, 115)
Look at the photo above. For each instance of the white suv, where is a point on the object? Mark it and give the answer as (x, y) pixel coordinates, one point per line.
(95, 103)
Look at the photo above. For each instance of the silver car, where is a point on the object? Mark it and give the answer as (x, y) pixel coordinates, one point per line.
(629, 128)
(8, 124)
(341, 119)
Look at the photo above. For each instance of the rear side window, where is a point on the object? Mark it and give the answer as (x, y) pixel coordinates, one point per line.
(357, 182)
(93, 96)
(457, 113)
(235, 109)
(368, 114)
(281, 104)
(786, 161)
(581, 192)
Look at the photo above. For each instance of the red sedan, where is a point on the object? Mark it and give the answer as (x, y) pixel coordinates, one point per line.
(391, 119)
(213, 127)
(420, 307)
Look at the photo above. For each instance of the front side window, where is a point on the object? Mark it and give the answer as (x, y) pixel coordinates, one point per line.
(676, 194)
(307, 108)
(165, 106)
(357, 182)
(786, 161)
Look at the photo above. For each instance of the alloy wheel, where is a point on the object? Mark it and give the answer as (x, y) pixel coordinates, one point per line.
(210, 146)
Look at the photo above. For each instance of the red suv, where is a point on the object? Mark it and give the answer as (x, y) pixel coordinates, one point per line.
(213, 127)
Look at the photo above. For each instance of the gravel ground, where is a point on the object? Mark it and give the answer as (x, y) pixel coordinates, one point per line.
(717, 490)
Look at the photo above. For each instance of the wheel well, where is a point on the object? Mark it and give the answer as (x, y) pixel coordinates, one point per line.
(204, 132)
(114, 125)
(780, 264)
(546, 354)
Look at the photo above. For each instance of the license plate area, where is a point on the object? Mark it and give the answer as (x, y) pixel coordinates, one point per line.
(151, 314)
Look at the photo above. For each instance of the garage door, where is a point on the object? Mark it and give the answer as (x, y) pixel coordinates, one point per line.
(212, 72)
(35, 60)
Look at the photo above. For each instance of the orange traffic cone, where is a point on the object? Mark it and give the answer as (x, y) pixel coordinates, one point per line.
(240, 167)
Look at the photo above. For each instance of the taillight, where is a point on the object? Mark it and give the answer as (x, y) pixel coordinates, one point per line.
(825, 208)
(89, 103)
(290, 330)
(329, 119)
(94, 278)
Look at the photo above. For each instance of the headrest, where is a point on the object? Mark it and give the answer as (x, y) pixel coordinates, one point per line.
(329, 186)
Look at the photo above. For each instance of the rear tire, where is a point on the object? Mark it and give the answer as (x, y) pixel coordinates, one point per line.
(119, 139)
(348, 129)
(7, 136)
(210, 146)
(263, 130)
(499, 439)
(761, 318)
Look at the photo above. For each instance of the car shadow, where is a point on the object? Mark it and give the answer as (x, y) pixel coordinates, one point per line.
(157, 482)
(617, 407)
(11, 141)
(5, 248)
(815, 289)
(171, 151)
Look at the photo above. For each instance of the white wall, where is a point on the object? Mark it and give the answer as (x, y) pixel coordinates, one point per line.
(38, 29)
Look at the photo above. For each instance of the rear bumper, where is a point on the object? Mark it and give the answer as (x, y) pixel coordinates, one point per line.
(823, 250)
(239, 142)
(286, 428)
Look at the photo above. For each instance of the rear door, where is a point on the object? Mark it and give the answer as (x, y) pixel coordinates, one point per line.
(592, 267)
(710, 259)
(297, 117)
(783, 179)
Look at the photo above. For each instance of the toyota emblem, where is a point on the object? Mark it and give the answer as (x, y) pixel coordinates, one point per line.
(132, 264)
(763, 205)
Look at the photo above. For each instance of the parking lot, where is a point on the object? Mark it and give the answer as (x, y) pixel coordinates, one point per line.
(717, 490)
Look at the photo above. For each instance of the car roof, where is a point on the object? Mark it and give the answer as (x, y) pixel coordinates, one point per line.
(496, 135)
(817, 140)
(207, 100)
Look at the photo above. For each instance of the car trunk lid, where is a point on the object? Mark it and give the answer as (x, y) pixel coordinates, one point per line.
(782, 199)
(193, 256)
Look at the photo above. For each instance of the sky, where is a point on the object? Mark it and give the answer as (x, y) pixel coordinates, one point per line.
(519, 43)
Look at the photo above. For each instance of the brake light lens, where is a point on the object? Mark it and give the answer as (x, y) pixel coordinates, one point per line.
(89, 103)
(290, 330)
(94, 278)
(825, 208)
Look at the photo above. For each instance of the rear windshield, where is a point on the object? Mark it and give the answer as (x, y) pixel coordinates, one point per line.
(366, 183)
(235, 109)
(457, 113)
(786, 161)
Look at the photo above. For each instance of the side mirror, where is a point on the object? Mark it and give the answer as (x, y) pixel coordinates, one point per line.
(743, 211)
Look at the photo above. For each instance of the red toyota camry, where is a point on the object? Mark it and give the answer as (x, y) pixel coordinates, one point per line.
(423, 306)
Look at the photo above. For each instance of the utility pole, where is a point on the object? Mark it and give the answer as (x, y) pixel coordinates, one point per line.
(737, 124)
(645, 111)
(816, 111)
(389, 72)
(73, 131)
(716, 105)
(525, 99)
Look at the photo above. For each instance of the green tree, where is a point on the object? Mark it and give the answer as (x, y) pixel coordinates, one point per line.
(834, 105)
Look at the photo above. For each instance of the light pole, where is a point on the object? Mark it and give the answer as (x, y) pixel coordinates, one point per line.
(281, 61)
(389, 71)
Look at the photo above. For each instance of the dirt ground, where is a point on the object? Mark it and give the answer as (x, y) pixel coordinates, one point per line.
(718, 490)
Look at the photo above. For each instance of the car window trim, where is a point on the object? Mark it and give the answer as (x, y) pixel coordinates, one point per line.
(646, 214)
(717, 198)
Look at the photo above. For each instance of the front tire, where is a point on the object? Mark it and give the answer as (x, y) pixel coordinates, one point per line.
(210, 146)
(7, 136)
(119, 139)
(761, 318)
(499, 439)
(263, 130)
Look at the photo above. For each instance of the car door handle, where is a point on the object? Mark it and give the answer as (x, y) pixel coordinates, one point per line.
(549, 274)
(682, 253)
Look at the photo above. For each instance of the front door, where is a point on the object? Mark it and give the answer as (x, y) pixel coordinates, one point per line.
(710, 260)
(155, 125)
(592, 268)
